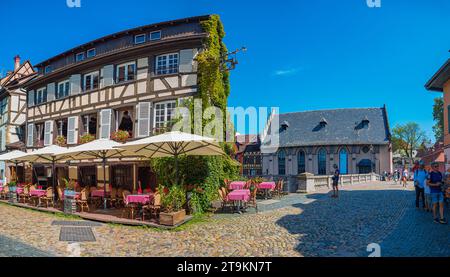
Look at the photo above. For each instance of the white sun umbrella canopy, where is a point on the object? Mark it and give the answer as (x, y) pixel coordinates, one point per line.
(12, 158)
(174, 144)
(103, 149)
(49, 154)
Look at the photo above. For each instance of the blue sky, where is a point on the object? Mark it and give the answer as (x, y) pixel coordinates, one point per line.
(302, 55)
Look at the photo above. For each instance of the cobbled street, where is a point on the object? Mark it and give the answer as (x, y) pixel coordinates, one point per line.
(314, 225)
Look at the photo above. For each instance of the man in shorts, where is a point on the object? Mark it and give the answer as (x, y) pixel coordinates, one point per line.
(335, 178)
(435, 181)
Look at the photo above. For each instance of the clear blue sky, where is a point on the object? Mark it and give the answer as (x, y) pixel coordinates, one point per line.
(302, 55)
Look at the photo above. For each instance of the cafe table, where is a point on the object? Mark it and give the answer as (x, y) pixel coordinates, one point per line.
(19, 190)
(98, 193)
(239, 196)
(267, 186)
(139, 198)
(237, 185)
(38, 193)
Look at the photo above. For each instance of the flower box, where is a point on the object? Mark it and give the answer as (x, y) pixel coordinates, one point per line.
(172, 219)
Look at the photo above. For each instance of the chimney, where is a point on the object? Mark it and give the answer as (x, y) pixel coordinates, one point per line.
(16, 62)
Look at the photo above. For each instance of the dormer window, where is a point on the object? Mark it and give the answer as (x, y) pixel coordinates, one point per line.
(79, 57)
(139, 39)
(155, 35)
(323, 122)
(285, 125)
(91, 53)
(365, 122)
(48, 69)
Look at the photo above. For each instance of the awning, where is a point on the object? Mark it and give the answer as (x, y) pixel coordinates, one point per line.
(365, 163)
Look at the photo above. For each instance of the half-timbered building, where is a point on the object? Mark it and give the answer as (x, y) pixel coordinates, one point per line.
(130, 81)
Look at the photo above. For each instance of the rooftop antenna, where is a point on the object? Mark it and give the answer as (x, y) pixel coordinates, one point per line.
(229, 60)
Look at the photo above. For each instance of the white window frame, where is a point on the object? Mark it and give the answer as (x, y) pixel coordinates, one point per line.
(91, 50)
(126, 65)
(58, 94)
(155, 32)
(166, 65)
(155, 109)
(78, 54)
(139, 36)
(40, 92)
(92, 74)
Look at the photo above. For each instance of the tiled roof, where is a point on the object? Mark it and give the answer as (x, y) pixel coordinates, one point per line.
(340, 126)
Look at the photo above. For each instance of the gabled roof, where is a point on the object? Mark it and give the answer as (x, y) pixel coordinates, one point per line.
(436, 83)
(344, 127)
(14, 79)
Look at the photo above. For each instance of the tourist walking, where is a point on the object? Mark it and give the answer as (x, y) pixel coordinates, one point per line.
(420, 178)
(427, 191)
(405, 177)
(396, 176)
(335, 178)
(435, 181)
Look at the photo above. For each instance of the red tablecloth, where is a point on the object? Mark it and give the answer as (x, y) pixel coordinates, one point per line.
(139, 198)
(237, 185)
(98, 193)
(239, 195)
(19, 190)
(267, 185)
(1, 189)
(38, 192)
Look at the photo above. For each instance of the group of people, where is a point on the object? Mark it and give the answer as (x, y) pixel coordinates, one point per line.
(429, 187)
(398, 176)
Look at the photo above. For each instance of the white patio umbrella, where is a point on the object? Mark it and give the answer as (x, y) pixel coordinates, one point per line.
(12, 157)
(103, 149)
(174, 144)
(49, 154)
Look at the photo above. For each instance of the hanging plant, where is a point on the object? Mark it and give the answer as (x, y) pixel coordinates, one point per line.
(61, 141)
(86, 138)
(120, 136)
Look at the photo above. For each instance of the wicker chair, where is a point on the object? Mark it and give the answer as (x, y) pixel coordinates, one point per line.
(48, 198)
(224, 199)
(129, 209)
(82, 202)
(23, 197)
(96, 201)
(252, 202)
(60, 203)
(279, 192)
(120, 201)
(152, 208)
(112, 199)
(4, 192)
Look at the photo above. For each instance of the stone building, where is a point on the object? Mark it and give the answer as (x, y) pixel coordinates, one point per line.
(357, 140)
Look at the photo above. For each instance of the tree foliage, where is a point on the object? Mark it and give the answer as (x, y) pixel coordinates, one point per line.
(438, 116)
(407, 138)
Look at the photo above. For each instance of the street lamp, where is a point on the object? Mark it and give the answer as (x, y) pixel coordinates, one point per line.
(230, 63)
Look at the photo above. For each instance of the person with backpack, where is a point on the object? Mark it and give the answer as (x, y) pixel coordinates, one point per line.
(420, 178)
(435, 181)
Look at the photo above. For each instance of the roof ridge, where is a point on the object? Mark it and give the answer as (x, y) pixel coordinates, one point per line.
(337, 109)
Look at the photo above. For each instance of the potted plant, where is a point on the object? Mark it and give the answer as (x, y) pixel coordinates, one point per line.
(120, 136)
(12, 186)
(61, 141)
(86, 138)
(172, 201)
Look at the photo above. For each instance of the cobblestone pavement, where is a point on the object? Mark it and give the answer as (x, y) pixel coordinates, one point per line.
(311, 225)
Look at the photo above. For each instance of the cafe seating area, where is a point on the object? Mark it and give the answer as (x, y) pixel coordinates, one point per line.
(238, 196)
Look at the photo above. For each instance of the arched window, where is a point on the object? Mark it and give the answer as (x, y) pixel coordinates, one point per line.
(322, 161)
(281, 163)
(301, 162)
(343, 161)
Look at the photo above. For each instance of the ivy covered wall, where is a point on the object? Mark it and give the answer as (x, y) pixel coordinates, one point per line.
(204, 175)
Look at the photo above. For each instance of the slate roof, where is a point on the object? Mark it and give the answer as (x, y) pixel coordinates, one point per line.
(343, 127)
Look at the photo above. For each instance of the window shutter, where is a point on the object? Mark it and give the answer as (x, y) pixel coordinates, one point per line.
(48, 133)
(51, 92)
(31, 98)
(30, 134)
(187, 60)
(108, 76)
(143, 126)
(75, 84)
(72, 130)
(105, 124)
